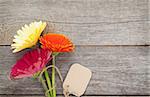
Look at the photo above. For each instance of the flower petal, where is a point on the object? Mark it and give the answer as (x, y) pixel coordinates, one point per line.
(28, 36)
(56, 43)
(31, 63)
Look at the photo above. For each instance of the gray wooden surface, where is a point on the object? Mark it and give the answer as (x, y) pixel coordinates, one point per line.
(86, 22)
(112, 38)
(71, 96)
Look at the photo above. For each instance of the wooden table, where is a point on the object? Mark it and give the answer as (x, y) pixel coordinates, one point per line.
(112, 38)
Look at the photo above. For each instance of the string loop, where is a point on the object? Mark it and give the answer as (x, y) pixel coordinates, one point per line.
(65, 91)
(41, 78)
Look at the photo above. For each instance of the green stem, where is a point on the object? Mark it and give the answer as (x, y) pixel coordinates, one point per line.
(44, 86)
(48, 81)
(53, 76)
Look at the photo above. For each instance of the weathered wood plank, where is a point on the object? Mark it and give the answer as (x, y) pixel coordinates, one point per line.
(92, 22)
(70, 96)
(116, 70)
(149, 19)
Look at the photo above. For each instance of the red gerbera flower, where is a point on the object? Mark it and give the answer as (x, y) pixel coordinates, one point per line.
(56, 43)
(32, 62)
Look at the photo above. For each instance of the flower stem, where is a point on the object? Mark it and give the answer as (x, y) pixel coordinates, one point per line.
(48, 80)
(53, 76)
(44, 86)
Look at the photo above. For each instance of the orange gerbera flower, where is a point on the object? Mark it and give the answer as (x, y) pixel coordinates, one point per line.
(56, 43)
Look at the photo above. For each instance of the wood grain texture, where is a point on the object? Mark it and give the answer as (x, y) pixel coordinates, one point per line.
(116, 70)
(86, 22)
(70, 96)
(149, 19)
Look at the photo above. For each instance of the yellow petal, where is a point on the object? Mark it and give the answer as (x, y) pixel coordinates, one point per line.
(27, 36)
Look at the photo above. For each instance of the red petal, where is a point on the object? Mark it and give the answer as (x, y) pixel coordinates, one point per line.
(31, 62)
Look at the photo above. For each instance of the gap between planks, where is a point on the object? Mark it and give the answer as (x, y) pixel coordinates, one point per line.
(60, 95)
(104, 45)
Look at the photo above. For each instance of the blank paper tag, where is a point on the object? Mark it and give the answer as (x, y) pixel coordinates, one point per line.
(77, 79)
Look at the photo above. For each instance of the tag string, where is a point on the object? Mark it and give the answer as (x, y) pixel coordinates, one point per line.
(51, 66)
(65, 89)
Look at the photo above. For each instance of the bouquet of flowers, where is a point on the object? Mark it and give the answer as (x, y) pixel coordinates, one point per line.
(34, 63)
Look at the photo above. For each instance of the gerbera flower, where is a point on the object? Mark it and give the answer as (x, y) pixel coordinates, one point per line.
(31, 63)
(56, 43)
(28, 36)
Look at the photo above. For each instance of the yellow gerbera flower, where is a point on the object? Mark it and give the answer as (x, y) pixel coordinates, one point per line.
(28, 36)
